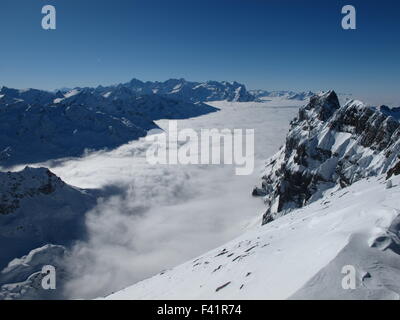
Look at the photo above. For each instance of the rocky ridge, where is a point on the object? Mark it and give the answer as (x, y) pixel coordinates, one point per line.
(329, 146)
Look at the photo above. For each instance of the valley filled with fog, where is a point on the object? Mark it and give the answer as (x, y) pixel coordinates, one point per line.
(156, 216)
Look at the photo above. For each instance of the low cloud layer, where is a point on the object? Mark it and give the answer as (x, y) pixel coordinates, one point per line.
(164, 215)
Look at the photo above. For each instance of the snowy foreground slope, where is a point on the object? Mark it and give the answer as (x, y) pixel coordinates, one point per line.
(300, 255)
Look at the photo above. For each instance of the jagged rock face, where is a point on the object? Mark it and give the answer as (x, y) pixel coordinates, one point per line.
(22, 278)
(328, 145)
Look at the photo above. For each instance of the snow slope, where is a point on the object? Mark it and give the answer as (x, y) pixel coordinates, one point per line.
(37, 208)
(300, 255)
(22, 278)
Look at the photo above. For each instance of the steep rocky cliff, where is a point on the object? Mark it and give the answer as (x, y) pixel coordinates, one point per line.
(329, 146)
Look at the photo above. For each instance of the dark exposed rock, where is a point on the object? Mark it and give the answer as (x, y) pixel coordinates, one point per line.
(258, 192)
(267, 217)
(395, 171)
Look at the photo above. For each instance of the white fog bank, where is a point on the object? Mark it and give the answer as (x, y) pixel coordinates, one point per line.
(166, 214)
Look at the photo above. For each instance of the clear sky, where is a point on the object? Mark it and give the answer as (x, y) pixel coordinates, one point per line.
(269, 44)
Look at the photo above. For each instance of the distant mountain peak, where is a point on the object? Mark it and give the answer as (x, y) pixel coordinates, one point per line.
(193, 91)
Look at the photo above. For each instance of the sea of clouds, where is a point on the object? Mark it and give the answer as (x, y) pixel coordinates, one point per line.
(158, 216)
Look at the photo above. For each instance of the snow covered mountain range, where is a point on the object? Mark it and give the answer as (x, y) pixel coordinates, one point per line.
(38, 125)
(288, 95)
(300, 255)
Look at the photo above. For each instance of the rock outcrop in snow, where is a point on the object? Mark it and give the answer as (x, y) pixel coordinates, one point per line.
(328, 145)
(16, 186)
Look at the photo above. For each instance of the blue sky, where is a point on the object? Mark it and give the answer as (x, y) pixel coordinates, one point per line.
(270, 44)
